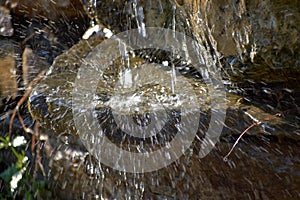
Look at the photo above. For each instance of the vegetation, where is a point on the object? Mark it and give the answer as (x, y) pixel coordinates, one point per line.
(17, 179)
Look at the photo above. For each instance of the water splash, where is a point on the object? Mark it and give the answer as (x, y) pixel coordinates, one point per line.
(159, 96)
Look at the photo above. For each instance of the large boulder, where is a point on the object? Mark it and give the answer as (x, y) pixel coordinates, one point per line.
(258, 45)
(266, 29)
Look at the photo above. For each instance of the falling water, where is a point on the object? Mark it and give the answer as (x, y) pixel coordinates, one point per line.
(128, 77)
(143, 100)
(130, 88)
(133, 83)
(140, 17)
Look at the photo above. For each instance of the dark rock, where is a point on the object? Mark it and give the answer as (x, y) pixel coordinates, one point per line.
(266, 29)
(52, 10)
(6, 28)
(8, 79)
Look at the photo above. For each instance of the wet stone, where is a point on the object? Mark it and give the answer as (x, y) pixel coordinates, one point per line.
(8, 79)
(257, 29)
(265, 164)
(51, 101)
(74, 169)
(6, 28)
(257, 43)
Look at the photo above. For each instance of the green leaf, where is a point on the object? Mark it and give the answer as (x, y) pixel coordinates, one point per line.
(2, 145)
(4, 140)
(28, 196)
(7, 138)
(8, 173)
(20, 163)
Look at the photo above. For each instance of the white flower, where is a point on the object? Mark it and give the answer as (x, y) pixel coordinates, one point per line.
(18, 141)
(15, 179)
(25, 159)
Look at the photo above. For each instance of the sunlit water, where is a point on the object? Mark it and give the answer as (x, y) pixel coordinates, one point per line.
(130, 90)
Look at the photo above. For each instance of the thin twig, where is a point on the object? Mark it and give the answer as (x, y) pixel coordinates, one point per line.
(26, 130)
(267, 118)
(38, 151)
(34, 150)
(22, 122)
(41, 167)
(237, 141)
(23, 99)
